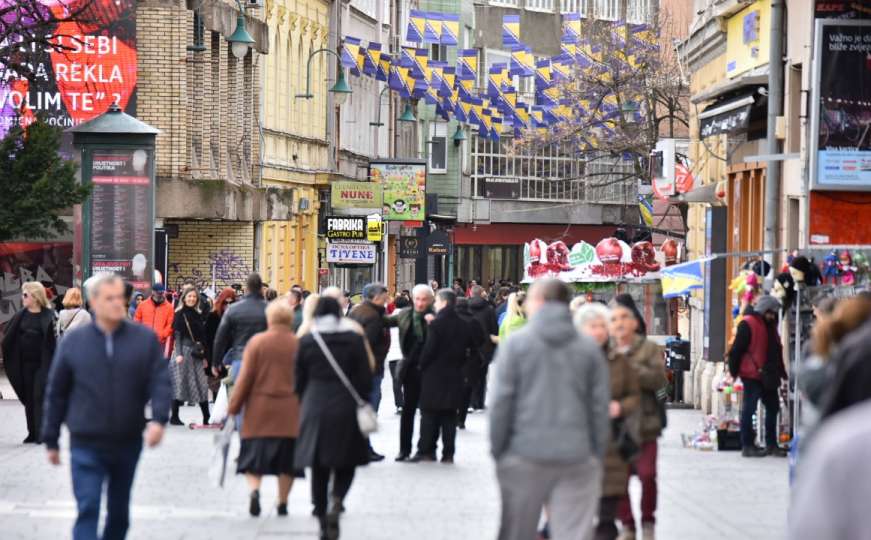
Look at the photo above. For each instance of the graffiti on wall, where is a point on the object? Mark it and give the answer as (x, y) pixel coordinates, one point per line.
(222, 268)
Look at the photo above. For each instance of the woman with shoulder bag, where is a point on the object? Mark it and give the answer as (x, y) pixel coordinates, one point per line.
(74, 314)
(593, 320)
(332, 372)
(189, 362)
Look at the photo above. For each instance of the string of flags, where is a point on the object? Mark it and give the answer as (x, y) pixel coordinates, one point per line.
(493, 104)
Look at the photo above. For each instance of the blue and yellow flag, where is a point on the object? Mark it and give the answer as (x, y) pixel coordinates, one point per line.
(646, 209)
(467, 64)
(449, 76)
(371, 59)
(521, 117)
(465, 90)
(571, 28)
(416, 24)
(350, 52)
(432, 28)
(450, 29)
(510, 30)
(394, 79)
(522, 61)
(497, 75)
(680, 279)
(384, 63)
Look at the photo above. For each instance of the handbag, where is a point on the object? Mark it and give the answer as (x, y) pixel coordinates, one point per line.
(199, 350)
(367, 419)
(626, 445)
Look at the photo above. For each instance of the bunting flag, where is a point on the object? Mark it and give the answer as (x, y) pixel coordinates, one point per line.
(571, 28)
(384, 64)
(467, 64)
(568, 52)
(680, 279)
(543, 78)
(464, 112)
(448, 80)
(420, 70)
(450, 29)
(560, 69)
(395, 78)
(521, 117)
(407, 83)
(466, 90)
(432, 28)
(350, 52)
(510, 30)
(646, 209)
(416, 24)
(495, 79)
(371, 58)
(509, 99)
(522, 61)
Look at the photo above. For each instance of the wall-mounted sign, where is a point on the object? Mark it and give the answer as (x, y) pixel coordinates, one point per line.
(346, 228)
(747, 38)
(502, 188)
(365, 195)
(438, 243)
(351, 253)
(409, 247)
(404, 184)
(374, 226)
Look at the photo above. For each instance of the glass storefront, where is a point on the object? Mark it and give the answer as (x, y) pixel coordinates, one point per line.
(488, 263)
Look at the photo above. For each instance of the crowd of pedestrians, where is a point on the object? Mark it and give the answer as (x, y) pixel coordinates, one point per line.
(576, 400)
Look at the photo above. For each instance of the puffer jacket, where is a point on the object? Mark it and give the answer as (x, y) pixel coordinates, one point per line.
(157, 317)
(647, 359)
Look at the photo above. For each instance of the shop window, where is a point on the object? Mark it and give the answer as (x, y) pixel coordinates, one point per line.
(438, 149)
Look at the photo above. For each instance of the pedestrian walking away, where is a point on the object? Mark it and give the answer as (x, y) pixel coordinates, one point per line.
(548, 420)
(224, 300)
(240, 322)
(473, 366)
(330, 441)
(102, 377)
(74, 313)
(628, 333)
(265, 390)
(413, 327)
(189, 362)
(484, 314)
(441, 363)
(371, 316)
(28, 348)
(515, 317)
(757, 357)
(156, 313)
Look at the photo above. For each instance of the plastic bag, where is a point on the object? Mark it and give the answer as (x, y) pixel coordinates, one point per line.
(224, 439)
(219, 409)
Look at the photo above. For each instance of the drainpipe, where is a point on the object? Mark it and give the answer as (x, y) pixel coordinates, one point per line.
(775, 109)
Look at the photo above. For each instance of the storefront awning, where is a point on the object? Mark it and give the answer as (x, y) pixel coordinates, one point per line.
(729, 116)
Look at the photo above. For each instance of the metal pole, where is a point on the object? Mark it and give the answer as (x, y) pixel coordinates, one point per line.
(796, 407)
(775, 109)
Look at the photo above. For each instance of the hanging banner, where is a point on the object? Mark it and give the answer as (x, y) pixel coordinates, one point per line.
(362, 195)
(680, 279)
(346, 228)
(351, 253)
(840, 138)
(404, 186)
(610, 260)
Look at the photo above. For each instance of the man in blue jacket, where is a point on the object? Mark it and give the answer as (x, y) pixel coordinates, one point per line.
(102, 376)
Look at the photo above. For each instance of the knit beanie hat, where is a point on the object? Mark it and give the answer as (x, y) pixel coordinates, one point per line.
(625, 300)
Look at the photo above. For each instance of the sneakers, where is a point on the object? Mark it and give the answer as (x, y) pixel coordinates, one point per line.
(254, 503)
(753, 452)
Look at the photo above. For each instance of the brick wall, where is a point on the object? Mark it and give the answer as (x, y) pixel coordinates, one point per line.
(228, 246)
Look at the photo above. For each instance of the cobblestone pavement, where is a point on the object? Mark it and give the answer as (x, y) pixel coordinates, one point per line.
(703, 495)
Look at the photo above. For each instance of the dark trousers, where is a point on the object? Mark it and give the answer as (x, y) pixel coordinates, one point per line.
(375, 396)
(342, 479)
(606, 529)
(753, 392)
(92, 466)
(397, 384)
(431, 424)
(479, 393)
(411, 397)
(463, 412)
(645, 468)
(32, 398)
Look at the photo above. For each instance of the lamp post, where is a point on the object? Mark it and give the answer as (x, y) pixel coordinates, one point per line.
(240, 40)
(378, 122)
(459, 135)
(406, 116)
(340, 89)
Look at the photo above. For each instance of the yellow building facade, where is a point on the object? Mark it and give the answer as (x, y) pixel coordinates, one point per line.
(295, 155)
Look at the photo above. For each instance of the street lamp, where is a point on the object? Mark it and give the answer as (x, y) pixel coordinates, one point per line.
(340, 90)
(378, 122)
(459, 135)
(407, 114)
(240, 40)
(629, 110)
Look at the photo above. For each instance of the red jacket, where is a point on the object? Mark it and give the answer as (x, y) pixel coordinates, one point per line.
(156, 317)
(756, 343)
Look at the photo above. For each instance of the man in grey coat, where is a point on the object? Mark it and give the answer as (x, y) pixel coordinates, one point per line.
(549, 422)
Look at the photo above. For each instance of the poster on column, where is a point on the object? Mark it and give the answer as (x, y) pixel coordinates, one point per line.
(841, 119)
(404, 188)
(91, 64)
(121, 214)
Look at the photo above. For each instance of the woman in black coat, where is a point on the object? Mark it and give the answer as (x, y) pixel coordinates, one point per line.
(28, 347)
(330, 441)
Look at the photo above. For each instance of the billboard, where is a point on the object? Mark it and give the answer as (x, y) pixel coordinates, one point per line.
(404, 188)
(92, 66)
(121, 214)
(355, 195)
(841, 106)
(351, 253)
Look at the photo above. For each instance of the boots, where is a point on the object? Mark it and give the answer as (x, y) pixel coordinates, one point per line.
(174, 419)
(329, 526)
(254, 503)
(204, 407)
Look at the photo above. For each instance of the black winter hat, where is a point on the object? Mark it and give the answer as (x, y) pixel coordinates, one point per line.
(625, 300)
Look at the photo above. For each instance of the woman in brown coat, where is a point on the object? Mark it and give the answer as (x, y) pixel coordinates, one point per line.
(593, 319)
(265, 391)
